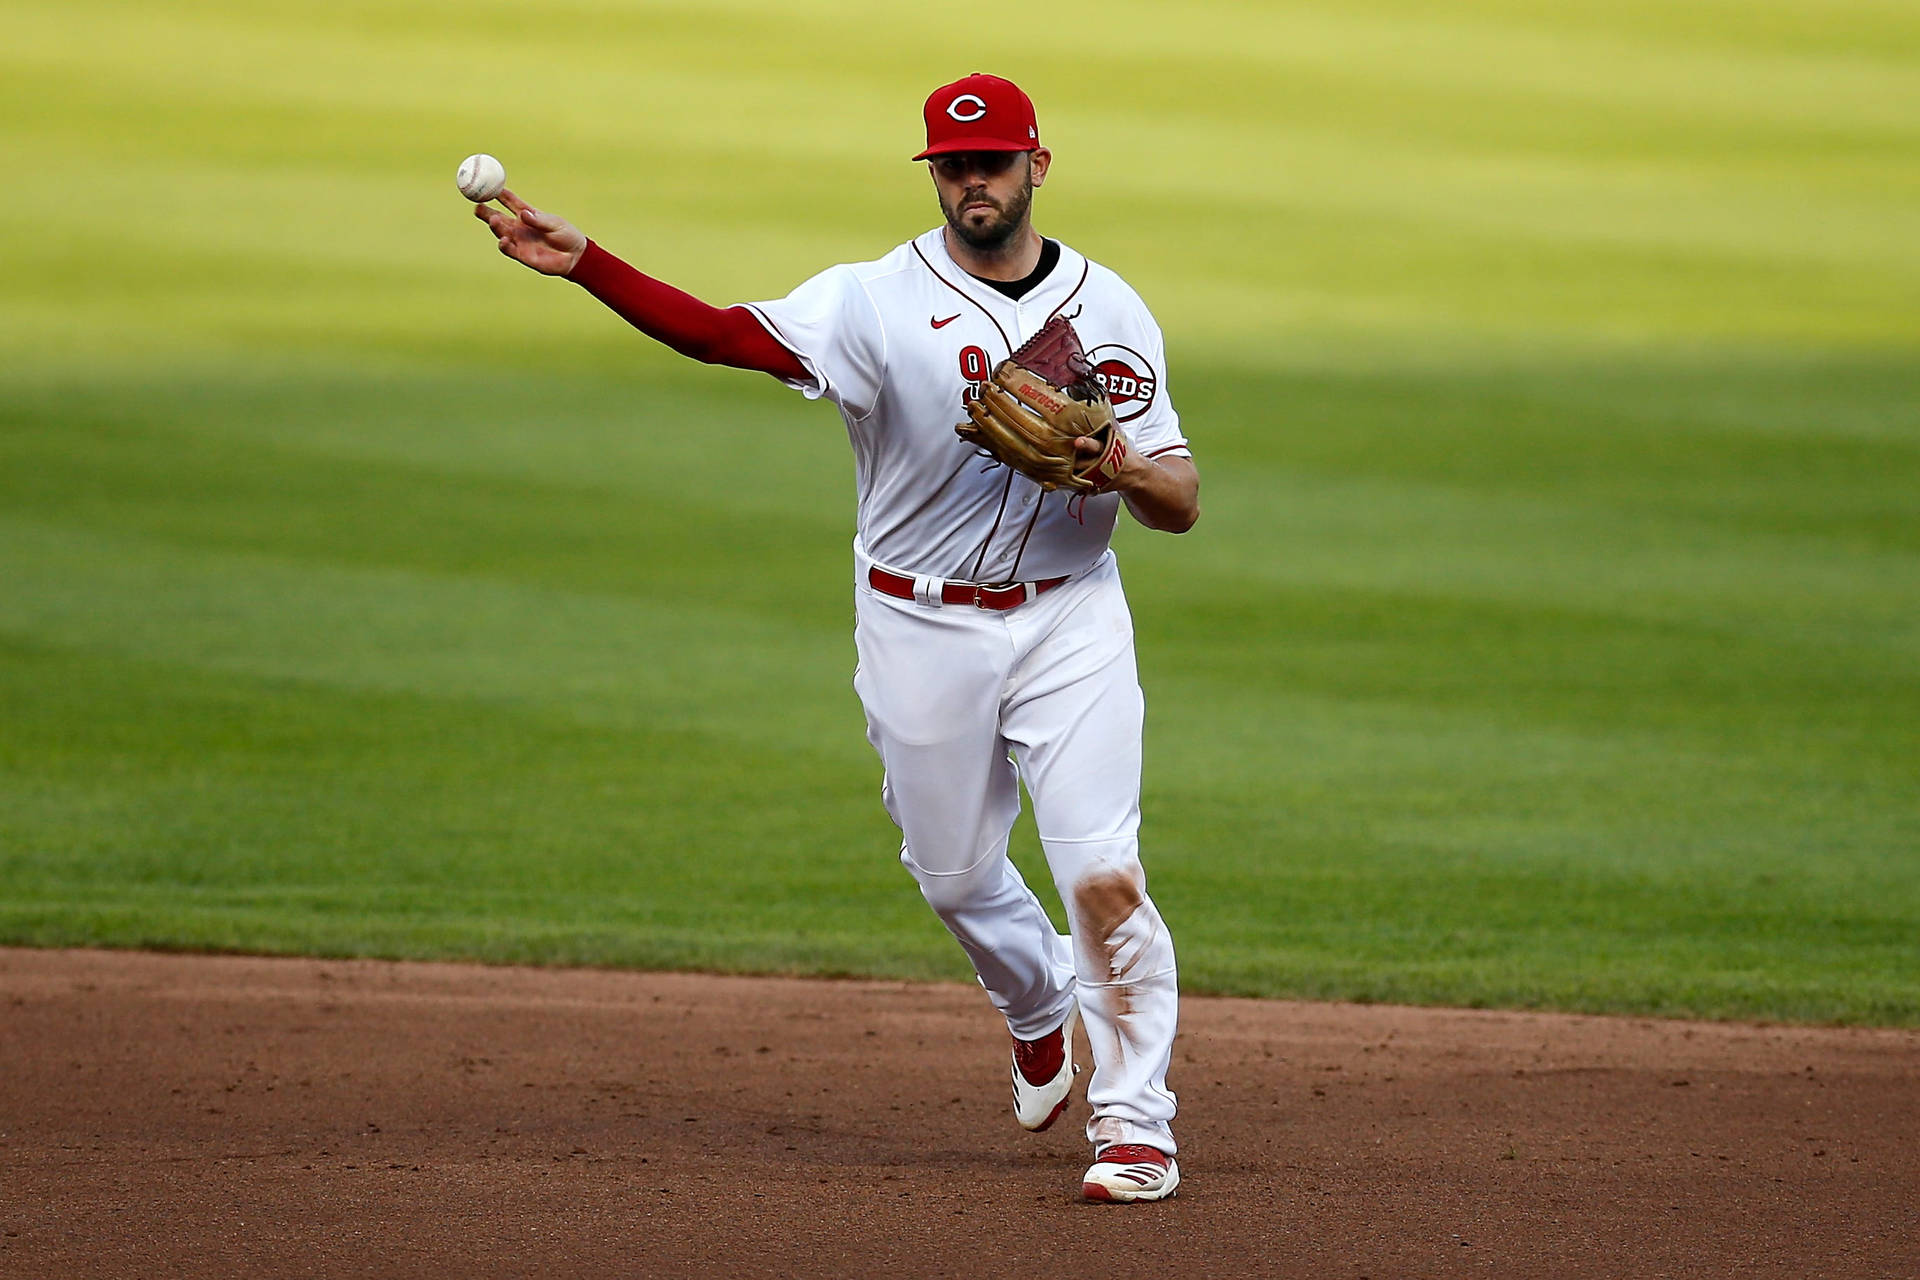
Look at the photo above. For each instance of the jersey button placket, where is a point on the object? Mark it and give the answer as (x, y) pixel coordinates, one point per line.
(1020, 328)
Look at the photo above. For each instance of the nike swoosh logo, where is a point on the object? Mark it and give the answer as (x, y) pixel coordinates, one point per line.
(941, 324)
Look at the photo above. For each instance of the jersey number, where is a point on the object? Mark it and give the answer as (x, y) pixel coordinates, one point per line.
(973, 364)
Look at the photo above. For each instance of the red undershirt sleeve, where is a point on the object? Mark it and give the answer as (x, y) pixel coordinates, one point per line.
(731, 336)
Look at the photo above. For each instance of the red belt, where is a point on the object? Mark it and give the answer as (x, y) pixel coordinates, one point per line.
(1006, 596)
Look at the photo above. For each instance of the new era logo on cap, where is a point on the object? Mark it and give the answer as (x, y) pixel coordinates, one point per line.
(979, 113)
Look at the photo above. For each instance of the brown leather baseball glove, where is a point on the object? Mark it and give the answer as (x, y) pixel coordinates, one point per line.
(1034, 407)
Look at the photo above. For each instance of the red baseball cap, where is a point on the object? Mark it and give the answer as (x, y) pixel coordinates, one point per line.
(979, 113)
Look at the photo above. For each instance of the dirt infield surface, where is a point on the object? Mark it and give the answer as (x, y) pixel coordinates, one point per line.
(179, 1115)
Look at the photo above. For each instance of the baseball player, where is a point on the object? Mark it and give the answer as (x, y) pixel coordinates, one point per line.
(994, 642)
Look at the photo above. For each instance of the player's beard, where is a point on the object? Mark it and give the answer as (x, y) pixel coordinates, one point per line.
(998, 232)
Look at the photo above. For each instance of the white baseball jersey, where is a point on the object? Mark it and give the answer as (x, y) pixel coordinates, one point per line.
(894, 343)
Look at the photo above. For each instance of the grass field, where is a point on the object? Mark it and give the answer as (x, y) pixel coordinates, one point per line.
(1551, 636)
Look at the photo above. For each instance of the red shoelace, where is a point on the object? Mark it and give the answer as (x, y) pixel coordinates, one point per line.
(1040, 1060)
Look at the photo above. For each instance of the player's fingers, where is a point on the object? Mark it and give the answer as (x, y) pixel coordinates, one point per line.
(513, 202)
(497, 222)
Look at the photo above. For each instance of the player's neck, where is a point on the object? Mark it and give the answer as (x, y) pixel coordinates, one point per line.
(1014, 262)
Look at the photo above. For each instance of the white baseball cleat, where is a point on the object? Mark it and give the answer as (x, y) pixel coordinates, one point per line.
(1130, 1171)
(1043, 1072)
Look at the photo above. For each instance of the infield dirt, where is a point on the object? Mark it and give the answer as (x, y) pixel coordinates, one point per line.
(170, 1115)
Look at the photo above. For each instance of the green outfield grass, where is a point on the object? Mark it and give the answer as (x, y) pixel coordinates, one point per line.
(1551, 636)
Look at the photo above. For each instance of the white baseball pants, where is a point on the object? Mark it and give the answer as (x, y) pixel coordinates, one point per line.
(963, 704)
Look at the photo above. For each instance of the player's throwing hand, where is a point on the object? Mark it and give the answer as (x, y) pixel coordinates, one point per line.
(546, 242)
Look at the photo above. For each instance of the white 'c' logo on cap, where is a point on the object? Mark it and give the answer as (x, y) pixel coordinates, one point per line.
(979, 108)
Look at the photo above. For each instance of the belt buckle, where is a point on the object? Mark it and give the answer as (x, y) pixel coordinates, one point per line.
(980, 591)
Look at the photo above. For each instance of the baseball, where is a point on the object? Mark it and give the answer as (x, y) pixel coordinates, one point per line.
(480, 178)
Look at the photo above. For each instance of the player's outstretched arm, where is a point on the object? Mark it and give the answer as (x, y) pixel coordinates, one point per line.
(546, 242)
(714, 335)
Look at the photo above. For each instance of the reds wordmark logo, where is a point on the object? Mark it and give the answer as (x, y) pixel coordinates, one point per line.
(1130, 381)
